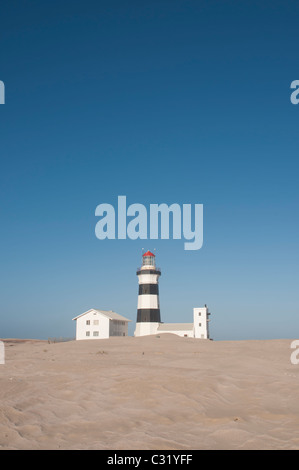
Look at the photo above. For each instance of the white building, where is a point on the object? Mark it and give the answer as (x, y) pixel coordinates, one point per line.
(148, 309)
(100, 324)
(201, 322)
(198, 329)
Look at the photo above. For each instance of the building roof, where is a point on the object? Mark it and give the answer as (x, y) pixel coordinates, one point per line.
(175, 326)
(148, 253)
(107, 313)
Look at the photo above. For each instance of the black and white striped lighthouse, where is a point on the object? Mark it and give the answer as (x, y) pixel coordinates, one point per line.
(148, 309)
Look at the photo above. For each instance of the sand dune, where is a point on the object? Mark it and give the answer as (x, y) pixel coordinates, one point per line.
(149, 393)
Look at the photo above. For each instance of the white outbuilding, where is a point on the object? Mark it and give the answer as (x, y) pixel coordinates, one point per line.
(100, 324)
(198, 329)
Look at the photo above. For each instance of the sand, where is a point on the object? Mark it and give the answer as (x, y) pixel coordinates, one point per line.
(154, 392)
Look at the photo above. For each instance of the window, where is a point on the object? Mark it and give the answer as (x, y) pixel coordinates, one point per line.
(96, 322)
(95, 333)
(199, 324)
(87, 322)
(199, 314)
(87, 333)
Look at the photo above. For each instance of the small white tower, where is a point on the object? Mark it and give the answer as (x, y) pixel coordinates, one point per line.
(201, 322)
(148, 309)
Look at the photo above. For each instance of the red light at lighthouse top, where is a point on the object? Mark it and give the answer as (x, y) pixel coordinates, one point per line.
(148, 259)
(148, 253)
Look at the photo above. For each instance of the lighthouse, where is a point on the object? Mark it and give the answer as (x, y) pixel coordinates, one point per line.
(148, 309)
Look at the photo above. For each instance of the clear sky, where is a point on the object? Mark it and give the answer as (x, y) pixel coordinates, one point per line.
(173, 101)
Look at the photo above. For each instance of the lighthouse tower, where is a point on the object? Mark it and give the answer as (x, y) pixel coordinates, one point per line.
(148, 310)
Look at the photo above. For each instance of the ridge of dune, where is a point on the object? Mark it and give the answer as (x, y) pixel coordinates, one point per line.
(159, 392)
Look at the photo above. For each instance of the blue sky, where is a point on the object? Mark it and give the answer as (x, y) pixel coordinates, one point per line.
(161, 101)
